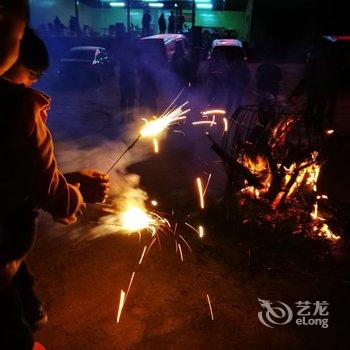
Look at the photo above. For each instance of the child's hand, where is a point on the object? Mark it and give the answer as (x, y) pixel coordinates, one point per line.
(94, 186)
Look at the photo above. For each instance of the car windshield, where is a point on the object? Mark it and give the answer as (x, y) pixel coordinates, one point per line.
(81, 54)
(153, 47)
(231, 53)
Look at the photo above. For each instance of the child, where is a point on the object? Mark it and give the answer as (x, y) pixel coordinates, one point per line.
(31, 181)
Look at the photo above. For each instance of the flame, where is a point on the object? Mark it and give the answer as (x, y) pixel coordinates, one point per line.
(260, 168)
(156, 126)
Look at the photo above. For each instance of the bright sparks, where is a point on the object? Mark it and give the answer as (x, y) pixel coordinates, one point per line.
(214, 112)
(156, 126)
(121, 304)
(200, 231)
(210, 307)
(136, 219)
(225, 121)
(200, 192)
(156, 146)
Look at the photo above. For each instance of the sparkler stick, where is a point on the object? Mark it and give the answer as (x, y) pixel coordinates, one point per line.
(123, 154)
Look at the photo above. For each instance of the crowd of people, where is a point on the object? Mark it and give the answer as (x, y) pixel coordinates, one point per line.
(176, 24)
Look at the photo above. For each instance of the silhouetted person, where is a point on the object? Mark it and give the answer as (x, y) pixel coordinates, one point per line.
(74, 25)
(58, 25)
(180, 65)
(268, 76)
(127, 83)
(320, 84)
(217, 79)
(171, 25)
(180, 21)
(148, 88)
(162, 24)
(238, 80)
(146, 23)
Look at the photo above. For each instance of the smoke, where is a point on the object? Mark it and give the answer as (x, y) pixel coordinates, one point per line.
(102, 219)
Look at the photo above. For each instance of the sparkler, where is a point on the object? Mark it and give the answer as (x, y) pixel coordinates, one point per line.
(155, 127)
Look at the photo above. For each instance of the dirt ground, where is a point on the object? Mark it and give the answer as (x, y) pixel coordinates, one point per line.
(80, 279)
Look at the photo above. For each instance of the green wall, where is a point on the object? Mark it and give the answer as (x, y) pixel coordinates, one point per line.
(227, 19)
(46, 10)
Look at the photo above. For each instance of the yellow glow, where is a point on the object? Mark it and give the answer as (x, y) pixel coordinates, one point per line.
(201, 231)
(136, 219)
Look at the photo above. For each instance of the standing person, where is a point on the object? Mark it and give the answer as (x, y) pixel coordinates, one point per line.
(33, 181)
(13, 19)
(162, 23)
(268, 76)
(238, 80)
(180, 21)
(148, 88)
(146, 23)
(171, 25)
(127, 82)
(181, 66)
(217, 79)
(58, 26)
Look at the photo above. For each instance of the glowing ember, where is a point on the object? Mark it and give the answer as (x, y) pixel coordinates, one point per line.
(121, 304)
(143, 254)
(225, 121)
(156, 126)
(156, 146)
(201, 231)
(209, 122)
(214, 112)
(201, 192)
(210, 307)
(154, 203)
(180, 251)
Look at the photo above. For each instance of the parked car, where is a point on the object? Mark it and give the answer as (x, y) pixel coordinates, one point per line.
(84, 63)
(232, 49)
(162, 46)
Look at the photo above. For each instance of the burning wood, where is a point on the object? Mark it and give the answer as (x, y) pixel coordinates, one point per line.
(270, 165)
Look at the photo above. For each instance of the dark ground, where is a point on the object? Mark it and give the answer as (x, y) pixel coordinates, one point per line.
(80, 280)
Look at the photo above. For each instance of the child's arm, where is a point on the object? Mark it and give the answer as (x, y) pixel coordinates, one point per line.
(53, 193)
